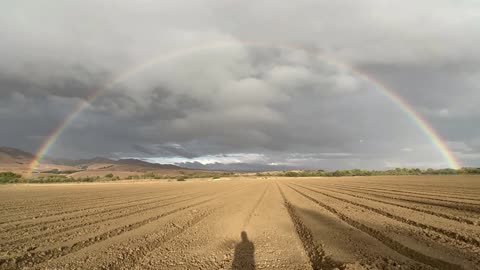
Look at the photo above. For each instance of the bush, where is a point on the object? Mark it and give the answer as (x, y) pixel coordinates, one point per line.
(469, 171)
(50, 179)
(110, 175)
(182, 178)
(292, 174)
(396, 171)
(10, 177)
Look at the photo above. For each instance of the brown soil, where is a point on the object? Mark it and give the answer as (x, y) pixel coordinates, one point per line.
(249, 223)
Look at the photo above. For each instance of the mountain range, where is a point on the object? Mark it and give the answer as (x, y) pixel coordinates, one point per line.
(16, 160)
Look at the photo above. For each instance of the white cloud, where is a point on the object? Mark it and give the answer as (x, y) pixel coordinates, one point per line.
(231, 158)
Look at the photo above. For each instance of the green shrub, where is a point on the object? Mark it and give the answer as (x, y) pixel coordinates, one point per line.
(292, 174)
(10, 177)
(182, 178)
(50, 179)
(396, 171)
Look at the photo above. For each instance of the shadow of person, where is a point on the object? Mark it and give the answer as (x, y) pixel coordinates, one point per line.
(243, 257)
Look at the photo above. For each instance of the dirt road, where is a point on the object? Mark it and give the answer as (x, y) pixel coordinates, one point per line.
(276, 223)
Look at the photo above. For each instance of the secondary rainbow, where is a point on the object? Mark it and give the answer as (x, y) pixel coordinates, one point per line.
(389, 93)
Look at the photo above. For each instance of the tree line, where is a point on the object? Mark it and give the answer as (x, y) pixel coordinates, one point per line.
(360, 172)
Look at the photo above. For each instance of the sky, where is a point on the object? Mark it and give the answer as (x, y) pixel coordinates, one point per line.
(248, 83)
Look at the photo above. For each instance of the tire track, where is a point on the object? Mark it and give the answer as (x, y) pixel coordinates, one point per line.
(450, 217)
(42, 256)
(36, 257)
(95, 201)
(451, 206)
(76, 210)
(37, 198)
(431, 190)
(450, 234)
(397, 246)
(249, 217)
(316, 254)
(87, 207)
(431, 196)
(398, 193)
(133, 257)
(76, 226)
(446, 195)
(106, 211)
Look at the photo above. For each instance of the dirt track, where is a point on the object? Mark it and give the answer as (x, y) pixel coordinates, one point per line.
(322, 223)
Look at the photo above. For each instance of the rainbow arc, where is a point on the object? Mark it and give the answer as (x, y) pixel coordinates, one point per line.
(387, 92)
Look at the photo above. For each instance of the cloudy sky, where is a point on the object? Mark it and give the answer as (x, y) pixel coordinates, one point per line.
(257, 82)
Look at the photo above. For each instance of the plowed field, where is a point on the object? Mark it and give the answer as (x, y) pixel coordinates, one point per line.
(276, 223)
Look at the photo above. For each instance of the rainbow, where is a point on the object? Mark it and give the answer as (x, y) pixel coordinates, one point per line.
(389, 93)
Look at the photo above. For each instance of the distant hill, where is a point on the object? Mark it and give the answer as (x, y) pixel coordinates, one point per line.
(137, 162)
(105, 161)
(18, 160)
(10, 155)
(80, 162)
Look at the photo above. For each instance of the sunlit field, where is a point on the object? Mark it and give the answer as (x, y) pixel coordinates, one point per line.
(392, 222)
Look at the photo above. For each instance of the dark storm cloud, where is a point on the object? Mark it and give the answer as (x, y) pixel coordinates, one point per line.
(430, 85)
(289, 106)
(176, 150)
(79, 83)
(143, 150)
(446, 94)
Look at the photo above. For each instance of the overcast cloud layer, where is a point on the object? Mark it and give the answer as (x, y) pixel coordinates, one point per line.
(232, 100)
